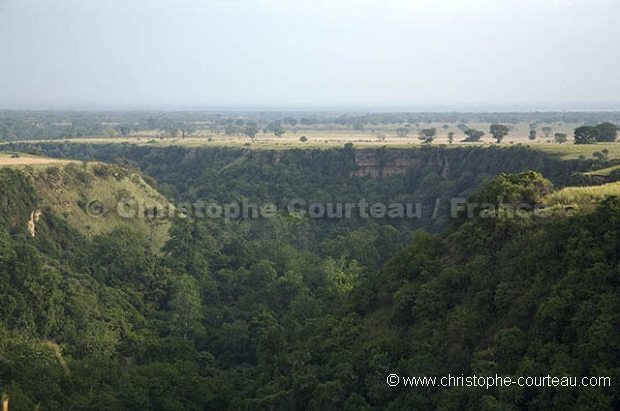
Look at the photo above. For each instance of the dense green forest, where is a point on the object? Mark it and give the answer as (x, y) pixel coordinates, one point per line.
(292, 313)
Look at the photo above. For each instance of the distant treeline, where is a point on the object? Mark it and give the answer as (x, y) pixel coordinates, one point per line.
(40, 125)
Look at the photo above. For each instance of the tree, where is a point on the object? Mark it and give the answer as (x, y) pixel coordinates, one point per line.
(290, 121)
(279, 131)
(607, 132)
(231, 130)
(124, 129)
(427, 135)
(272, 127)
(473, 135)
(251, 132)
(173, 131)
(451, 137)
(528, 187)
(303, 139)
(560, 138)
(499, 131)
(586, 135)
(185, 305)
(532, 135)
(546, 130)
(402, 131)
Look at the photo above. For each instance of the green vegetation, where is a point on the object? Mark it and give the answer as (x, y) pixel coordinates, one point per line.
(427, 135)
(88, 198)
(473, 135)
(607, 132)
(280, 130)
(560, 138)
(295, 313)
(583, 197)
(605, 172)
(604, 132)
(586, 135)
(581, 151)
(499, 131)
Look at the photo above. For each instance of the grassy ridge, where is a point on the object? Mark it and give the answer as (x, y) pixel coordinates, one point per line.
(87, 196)
(584, 197)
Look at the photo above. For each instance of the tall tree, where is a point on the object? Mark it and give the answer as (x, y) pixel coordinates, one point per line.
(251, 131)
(402, 131)
(499, 131)
(185, 305)
(586, 135)
(278, 132)
(473, 135)
(561, 138)
(607, 132)
(427, 135)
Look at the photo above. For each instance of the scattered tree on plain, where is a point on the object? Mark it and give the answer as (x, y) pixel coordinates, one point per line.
(561, 138)
(473, 135)
(546, 130)
(402, 131)
(278, 132)
(290, 121)
(499, 131)
(250, 131)
(586, 135)
(607, 132)
(427, 135)
(532, 135)
(451, 137)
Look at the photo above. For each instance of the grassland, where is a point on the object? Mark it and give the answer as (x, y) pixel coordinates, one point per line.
(574, 151)
(605, 172)
(584, 198)
(19, 159)
(326, 136)
(87, 196)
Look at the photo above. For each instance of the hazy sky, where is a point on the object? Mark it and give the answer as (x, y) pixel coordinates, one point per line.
(411, 54)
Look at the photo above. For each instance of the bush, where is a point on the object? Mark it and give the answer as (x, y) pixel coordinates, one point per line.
(102, 171)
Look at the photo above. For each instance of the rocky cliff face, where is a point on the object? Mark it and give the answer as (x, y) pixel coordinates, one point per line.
(34, 219)
(386, 163)
(382, 163)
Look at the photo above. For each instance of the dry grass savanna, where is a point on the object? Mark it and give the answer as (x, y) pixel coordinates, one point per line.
(334, 135)
(20, 159)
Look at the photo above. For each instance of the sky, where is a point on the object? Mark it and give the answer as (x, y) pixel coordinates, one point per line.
(419, 55)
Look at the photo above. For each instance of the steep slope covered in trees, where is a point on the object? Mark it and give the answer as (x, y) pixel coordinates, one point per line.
(253, 315)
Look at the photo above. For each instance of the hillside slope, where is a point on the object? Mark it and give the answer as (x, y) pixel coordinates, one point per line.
(95, 198)
(247, 316)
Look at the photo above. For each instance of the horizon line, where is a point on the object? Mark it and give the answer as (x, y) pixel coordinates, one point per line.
(306, 108)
